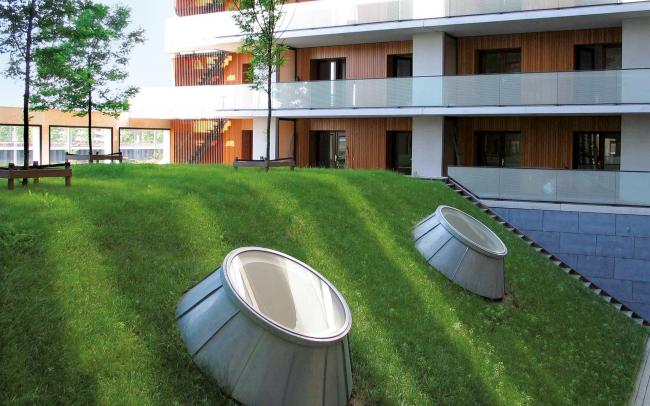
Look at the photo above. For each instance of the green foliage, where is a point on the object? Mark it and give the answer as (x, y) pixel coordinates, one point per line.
(88, 312)
(260, 21)
(27, 27)
(33, 24)
(82, 73)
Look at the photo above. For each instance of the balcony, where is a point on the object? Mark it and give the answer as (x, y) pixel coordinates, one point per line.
(556, 186)
(592, 92)
(218, 30)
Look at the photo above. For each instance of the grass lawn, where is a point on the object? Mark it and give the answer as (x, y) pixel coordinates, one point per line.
(90, 277)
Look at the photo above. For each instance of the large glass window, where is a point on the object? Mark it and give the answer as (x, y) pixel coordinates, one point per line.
(597, 150)
(499, 149)
(74, 140)
(11, 144)
(328, 69)
(328, 149)
(400, 66)
(145, 145)
(499, 61)
(599, 57)
(399, 151)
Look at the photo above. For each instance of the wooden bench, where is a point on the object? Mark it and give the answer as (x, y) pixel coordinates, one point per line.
(95, 158)
(264, 164)
(36, 172)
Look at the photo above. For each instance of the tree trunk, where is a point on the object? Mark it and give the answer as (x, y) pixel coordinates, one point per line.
(269, 83)
(268, 118)
(90, 122)
(28, 78)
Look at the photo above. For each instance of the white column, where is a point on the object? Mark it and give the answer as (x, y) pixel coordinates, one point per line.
(635, 129)
(259, 138)
(428, 54)
(635, 143)
(636, 35)
(428, 146)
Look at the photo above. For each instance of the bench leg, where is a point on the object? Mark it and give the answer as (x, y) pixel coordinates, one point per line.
(37, 180)
(68, 181)
(11, 184)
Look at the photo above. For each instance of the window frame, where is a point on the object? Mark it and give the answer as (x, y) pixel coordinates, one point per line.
(392, 60)
(500, 51)
(480, 153)
(600, 164)
(49, 136)
(314, 69)
(40, 138)
(603, 59)
(119, 135)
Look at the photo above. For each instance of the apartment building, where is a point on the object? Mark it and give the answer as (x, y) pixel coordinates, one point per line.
(539, 107)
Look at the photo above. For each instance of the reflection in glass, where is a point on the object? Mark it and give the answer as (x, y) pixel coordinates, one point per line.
(74, 140)
(287, 293)
(11, 144)
(145, 145)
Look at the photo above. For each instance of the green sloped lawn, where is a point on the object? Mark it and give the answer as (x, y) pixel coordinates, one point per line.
(90, 277)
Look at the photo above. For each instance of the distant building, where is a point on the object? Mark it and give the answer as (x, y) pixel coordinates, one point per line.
(53, 133)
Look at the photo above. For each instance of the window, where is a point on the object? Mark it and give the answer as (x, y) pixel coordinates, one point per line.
(499, 149)
(599, 57)
(328, 149)
(74, 140)
(399, 151)
(499, 61)
(400, 66)
(328, 69)
(11, 144)
(597, 151)
(244, 73)
(143, 145)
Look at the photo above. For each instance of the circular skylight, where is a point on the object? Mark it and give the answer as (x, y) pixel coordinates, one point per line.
(287, 294)
(472, 231)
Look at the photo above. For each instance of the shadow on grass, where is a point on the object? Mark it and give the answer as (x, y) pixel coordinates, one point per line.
(523, 335)
(38, 362)
(416, 337)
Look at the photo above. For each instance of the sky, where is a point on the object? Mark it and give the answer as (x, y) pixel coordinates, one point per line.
(150, 66)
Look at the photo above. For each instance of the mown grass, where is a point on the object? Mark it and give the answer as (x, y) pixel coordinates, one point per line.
(90, 277)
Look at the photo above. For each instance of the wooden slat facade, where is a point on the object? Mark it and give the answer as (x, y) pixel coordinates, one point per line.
(366, 138)
(234, 74)
(199, 69)
(363, 61)
(233, 141)
(551, 51)
(194, 7)
(546, 142)
(197, 141)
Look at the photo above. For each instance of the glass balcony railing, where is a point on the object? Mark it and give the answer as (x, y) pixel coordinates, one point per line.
(556, 186)
(525, 89)
(627, 87)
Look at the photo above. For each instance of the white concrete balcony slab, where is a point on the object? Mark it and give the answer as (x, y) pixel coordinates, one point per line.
(325, 22)
(597, 92)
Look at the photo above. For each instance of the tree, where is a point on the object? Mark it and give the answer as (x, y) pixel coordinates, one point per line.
(260, 21)
(80, 75)
(26, 26)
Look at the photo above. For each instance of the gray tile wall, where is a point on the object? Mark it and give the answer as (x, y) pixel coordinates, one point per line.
(612, 250)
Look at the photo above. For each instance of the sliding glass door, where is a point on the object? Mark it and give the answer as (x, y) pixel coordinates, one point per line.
(328, 149)
(499, 149)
